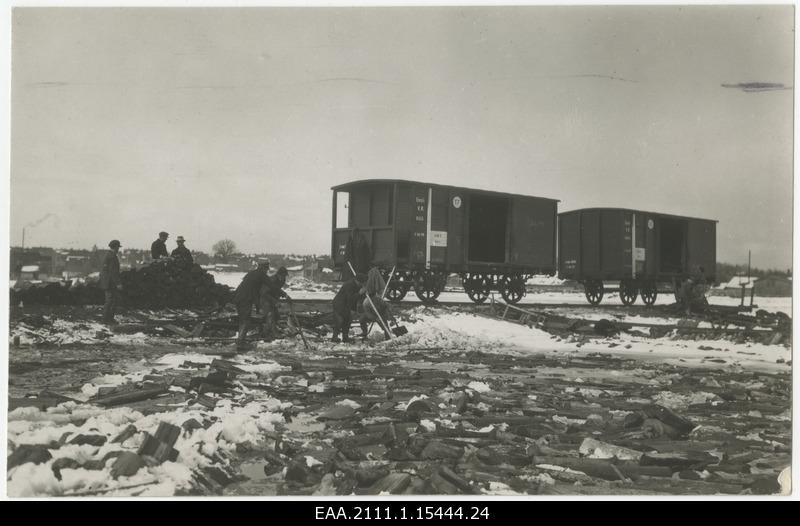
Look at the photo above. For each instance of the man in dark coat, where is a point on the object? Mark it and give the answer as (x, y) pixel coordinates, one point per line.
(246, 294)
(344, 303)
(159, 247)
(692, 296)
(110, 282)
(358, 253)
(181, 254)
(271, 292)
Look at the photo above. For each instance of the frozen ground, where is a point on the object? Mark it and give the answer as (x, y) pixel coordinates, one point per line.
(564, 389)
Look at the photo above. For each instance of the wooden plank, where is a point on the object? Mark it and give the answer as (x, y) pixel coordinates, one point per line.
(129, 397)
(177, 330)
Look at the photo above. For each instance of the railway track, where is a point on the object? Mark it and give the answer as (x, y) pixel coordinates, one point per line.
(407, 303)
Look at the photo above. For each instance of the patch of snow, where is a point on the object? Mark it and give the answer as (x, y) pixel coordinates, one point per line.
(348, 402)
(480, 387)
(429, 425)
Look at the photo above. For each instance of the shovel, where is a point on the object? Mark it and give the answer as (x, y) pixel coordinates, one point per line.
(397, 330)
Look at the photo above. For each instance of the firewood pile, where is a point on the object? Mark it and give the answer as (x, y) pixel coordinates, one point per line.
(158, 285)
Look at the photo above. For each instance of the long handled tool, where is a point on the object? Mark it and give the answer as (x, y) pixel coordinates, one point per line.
(398, 329)
(299, 328)
(383, 324)
(385, 288)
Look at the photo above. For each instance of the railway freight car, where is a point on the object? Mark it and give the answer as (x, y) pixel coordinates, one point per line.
(492, 240)
(640, 250)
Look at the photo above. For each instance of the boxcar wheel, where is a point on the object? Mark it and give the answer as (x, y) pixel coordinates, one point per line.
(594, 291)
(427, 286)
(396, 291)
(628, 291)
(478, 296)
(512, 288)
(478, 287)
(649, 292)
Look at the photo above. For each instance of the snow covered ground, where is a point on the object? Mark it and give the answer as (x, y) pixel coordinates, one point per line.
(246, 418)
(241, 420)
(231, 279)
(464, 331)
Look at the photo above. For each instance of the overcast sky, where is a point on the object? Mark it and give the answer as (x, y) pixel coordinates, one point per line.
(212, 123)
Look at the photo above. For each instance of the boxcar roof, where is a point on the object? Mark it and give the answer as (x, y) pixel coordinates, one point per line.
(392, 181)
(638, 212)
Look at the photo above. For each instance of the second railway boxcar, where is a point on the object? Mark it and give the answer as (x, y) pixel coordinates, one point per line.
(638, 249)
(493, 240)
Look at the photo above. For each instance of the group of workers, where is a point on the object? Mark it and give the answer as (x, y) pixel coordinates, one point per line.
(109, 273)
(362, 293)
(181, 254)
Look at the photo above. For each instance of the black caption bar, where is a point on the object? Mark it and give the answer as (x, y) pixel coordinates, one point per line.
(460, 511)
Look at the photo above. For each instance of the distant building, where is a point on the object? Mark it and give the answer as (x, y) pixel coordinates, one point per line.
(774, 286)
(226, 267)
(31, 272)
(296, 271)
(77, 266)
(734, 286)
(737, 282)
(42, 258)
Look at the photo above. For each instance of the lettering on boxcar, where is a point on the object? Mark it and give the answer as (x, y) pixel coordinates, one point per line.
(438, 238)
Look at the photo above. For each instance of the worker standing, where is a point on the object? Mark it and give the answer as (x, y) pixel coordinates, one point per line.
(110, 281)
(357, 252)
(158, 249)
(181, 254)
(246, 294)
(685, 295)
(271, 292)
(344, 303)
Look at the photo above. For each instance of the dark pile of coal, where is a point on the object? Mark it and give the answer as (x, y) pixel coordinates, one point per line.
(167, 284)
(171, 284)
(65, 293)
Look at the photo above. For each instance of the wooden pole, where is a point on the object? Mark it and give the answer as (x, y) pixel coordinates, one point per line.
(387, 282)
(385, 288)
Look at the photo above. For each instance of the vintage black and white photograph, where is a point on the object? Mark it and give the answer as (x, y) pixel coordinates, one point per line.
(376, 250)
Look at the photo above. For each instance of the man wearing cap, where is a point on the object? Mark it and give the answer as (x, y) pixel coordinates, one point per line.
(110, 282)
(182, 254)
(159, 247)
(344, 303)
(246, 294)
(271, 292)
